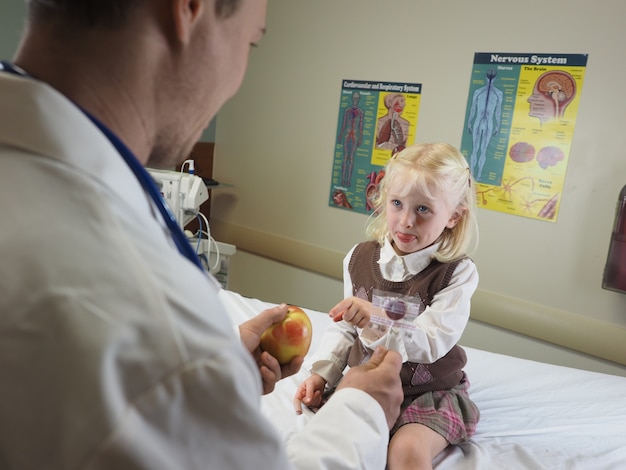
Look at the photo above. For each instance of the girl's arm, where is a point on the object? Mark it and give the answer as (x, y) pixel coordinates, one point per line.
(331, 356)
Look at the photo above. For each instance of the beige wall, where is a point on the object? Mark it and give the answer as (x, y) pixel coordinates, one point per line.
(275, 143)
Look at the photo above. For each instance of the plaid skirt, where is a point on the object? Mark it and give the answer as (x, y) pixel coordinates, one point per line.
(450, 413)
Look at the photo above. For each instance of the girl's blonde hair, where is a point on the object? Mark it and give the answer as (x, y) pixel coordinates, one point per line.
(438, 169)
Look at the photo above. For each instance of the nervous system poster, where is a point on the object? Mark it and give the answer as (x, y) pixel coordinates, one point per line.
(519, 122)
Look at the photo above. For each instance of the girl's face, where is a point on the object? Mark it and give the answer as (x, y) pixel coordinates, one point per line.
(416, 220)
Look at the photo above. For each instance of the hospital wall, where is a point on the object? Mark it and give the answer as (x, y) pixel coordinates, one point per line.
(540, 293)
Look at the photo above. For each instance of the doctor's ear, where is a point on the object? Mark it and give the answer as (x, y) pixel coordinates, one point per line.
(185, 14)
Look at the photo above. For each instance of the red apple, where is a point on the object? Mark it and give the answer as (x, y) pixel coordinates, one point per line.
(290, 337)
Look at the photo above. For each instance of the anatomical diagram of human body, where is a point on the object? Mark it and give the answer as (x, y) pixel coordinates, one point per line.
(484, 122)
(352, 134)
(392, 130)
(553, 91)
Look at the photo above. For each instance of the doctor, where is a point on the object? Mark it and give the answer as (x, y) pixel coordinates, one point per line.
(115, 352)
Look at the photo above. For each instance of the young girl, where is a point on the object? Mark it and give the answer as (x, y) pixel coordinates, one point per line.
(409, 289)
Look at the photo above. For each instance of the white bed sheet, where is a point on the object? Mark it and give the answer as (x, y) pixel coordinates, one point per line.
(533, 415)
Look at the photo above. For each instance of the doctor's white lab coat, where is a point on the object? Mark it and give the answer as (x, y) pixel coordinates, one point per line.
(115, 352)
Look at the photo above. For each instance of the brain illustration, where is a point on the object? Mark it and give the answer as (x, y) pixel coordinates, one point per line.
(560, 85)
(549, 156)
(522, 152)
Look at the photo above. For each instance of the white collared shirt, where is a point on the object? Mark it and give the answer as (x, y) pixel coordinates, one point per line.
(398, 268)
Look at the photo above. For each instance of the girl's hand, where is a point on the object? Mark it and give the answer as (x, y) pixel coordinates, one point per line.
(354, 310)
(309, 393)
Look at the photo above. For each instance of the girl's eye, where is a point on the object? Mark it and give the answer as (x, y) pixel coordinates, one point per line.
(422, 209)
(396, 203)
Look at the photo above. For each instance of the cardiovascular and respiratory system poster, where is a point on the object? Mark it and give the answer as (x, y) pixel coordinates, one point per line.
(518, 128)
(376, 120)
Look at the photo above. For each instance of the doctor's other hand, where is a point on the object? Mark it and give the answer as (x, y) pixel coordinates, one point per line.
(380, 377)
(250, 333)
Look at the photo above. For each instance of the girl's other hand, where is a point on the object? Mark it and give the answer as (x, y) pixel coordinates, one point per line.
(309, 393)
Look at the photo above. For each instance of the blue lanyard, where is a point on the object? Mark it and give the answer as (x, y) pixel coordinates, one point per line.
(148, 184)
(144, 178)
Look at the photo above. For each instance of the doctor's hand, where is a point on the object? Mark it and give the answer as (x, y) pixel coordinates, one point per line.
(380, 377)
(250, 333)
(354, 310)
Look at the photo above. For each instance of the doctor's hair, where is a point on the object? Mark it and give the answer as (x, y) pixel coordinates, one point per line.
(108, 14)
(436, 169)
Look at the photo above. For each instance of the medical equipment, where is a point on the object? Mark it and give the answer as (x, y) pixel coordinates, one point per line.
(183, 192)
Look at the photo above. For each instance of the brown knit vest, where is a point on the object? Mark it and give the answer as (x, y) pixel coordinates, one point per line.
(417, 378)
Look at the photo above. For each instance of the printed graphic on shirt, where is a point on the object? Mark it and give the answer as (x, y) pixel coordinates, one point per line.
(394, 315)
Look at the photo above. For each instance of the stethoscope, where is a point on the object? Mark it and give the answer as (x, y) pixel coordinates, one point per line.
(142, 175)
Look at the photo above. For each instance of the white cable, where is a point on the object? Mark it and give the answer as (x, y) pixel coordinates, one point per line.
(210, 240)
(191, 167)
